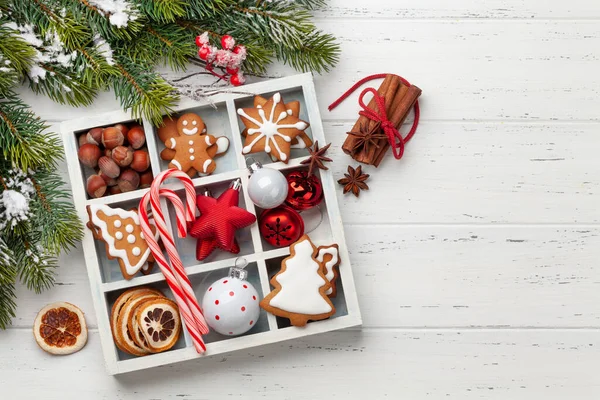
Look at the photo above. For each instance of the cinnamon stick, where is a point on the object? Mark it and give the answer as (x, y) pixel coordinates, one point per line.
(387, 89)
(400, 110)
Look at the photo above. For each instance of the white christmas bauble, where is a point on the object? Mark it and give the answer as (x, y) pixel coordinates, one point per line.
(230, 306)
(267, 187)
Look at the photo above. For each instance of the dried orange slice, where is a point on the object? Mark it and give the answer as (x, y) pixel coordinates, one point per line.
(160, 323)
(118, 306)
(124, 337)
(60, 328)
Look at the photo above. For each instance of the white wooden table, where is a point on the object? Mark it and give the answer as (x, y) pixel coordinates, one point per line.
(476, 257)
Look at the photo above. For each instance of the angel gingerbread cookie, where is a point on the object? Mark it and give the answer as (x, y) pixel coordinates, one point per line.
(329, 257)
(302, 141)
(121, 232)
(271, 127)
(188, 147)
(301, 287)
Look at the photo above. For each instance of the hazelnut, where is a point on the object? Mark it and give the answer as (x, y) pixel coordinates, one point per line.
(141, 160)
(82, 139)
(136, 137)
(108, 180)
(123, 128)
(108, 153)
(112, 137)
(94, 136)
(146, 179)
(89, 154)
(128, 180)
(114, 190)
(109, 167)
(122, 155)
(96, 187)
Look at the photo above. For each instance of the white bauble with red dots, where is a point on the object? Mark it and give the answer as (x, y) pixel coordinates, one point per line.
(230, 306)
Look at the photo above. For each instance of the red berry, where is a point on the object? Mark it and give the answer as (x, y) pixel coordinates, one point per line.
(237, 79)
(203, 53)
(237, 49)
(232, 71)
(199, 41)
(227, 42)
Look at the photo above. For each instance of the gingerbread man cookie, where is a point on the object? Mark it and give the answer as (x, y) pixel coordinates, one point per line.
(122, 234)
(301, 287)
(188, 147)
(271, 128)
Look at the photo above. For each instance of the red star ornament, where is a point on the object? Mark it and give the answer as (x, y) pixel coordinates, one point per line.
(204, 248)
(220, 218)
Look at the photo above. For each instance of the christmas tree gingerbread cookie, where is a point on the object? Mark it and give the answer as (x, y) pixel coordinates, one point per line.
(121, 232)
(271, 127)
(189, 147)
(301, 287)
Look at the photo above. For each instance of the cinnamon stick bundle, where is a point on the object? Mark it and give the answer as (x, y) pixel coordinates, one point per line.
(399, 100)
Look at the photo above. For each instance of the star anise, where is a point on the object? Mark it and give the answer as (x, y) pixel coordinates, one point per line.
(316, 158)
(366, 137)
(354, 181)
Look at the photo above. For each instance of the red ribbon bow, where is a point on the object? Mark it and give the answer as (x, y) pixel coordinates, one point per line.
(395, 139)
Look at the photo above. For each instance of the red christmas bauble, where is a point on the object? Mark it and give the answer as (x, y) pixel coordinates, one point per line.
(304, 191)
(281, 226)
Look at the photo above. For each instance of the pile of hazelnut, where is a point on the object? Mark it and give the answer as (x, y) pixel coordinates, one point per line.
(119, 157)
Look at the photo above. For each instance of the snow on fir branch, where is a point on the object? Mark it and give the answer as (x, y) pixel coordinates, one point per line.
(14, 203)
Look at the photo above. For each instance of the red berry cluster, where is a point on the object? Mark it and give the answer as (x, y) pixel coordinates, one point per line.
(229, 58)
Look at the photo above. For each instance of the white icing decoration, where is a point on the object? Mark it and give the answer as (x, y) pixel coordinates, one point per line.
(334, 253)
(136, 251)
(204, 130)
(119, 235)
(290, 112)
(269, 128)
(185, 122)
(117, 224)
(176, 163)
(207, 140)
(191, 142)
(206, 164)
(192, 131)
(131, 239)
(194, 123)
(130, 268)
(142, 236)
(129, 228)
(191, 150)
(300, 284)
(173, 143)
(192, 158)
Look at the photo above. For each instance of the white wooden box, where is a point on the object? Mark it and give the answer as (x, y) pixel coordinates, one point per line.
(220, 116)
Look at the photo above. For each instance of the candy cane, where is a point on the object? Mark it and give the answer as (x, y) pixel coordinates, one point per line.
(175, 275)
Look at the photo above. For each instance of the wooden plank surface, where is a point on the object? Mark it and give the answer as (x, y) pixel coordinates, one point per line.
(415, 364)
(475, 257)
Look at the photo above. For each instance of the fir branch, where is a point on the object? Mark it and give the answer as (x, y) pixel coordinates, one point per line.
(162, 10)
(317, 53)
(16, 50)
(23, 141)
(63, 85)
(8, 276)
(35, 266)
(169, 43)
(56, 219)
(145, 92)
(201, 9)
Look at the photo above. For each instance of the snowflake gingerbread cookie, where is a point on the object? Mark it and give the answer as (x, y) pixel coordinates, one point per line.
(301, 287)
(189, 147)
(272, 127)
(121, 232)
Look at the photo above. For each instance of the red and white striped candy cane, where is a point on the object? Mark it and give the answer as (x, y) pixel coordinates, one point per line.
(176, 277)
